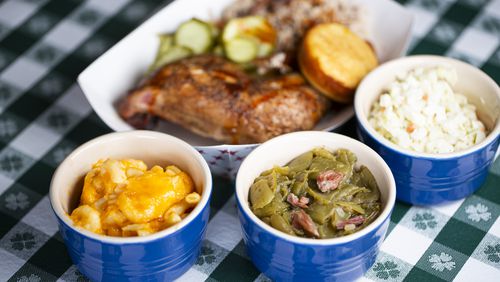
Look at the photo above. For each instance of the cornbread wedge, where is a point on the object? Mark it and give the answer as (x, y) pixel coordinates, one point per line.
(334, 60)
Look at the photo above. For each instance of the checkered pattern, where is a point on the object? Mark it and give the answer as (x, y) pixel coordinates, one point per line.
(44, 116)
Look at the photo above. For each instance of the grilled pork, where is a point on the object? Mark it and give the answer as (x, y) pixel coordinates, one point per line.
(214, 98)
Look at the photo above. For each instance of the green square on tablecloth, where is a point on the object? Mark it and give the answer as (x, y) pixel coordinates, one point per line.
(461, 13)
(399, 211)
(29, 106)
(428, 47)
(235, 268)
(45, 259)
(418, 275)
(478, 212)
(37, 178)
(492, 70)
(6, 57)
(17, 42)
(85, 130)
(491, 188)
(460, 236)
(441, 261)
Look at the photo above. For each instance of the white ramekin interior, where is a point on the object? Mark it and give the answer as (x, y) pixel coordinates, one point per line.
(282, 149)
(479, 88)
(152, 147)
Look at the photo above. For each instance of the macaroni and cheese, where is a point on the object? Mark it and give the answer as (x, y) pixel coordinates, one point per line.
(123, 198)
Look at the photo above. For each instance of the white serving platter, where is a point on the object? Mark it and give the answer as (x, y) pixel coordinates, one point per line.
(118, 70)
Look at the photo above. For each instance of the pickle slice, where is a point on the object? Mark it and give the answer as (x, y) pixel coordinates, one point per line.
(241, 49)
(166, 42)
(255, 26)
(251, 27)
(196, 35)
(173, 54)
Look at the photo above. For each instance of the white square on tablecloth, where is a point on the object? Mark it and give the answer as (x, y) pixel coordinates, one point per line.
(42, 217)
(493, 7)
(5, 183)
(35, 140)
(474, 270)
(23, 73)
(423, 21)
(221, 230)
(448, 209)
(108, 6)
(406, 244)
(74, 100)
(495, 228)
(67, 35)
(192, 275)
(437, 7)
(13, 13)
(10, 264)
(264, 278)
(476, 43)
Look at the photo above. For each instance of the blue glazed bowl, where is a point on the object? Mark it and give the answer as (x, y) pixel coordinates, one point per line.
(283, 257)
(423, 178)
(162, 256)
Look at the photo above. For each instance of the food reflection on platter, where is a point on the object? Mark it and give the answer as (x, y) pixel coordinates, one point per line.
(262, 69)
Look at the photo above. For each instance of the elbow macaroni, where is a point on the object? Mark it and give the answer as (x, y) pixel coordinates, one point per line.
(122, 198)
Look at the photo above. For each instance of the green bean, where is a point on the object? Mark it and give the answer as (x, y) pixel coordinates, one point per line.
(320, 212)
(371, 183)
(326, 231)
(320, 164)
(282, 170)
(260, 194)
(347, 191)
(346, 161)
(276, 206)
(301, 162)
(351, 206)
(300, 184)
(357, 194)
(322, 152)
(266, 219)
(322, 198)
(346, 156)
(278, 222)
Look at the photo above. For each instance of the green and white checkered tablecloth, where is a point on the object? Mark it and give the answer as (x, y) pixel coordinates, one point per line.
(45, 44)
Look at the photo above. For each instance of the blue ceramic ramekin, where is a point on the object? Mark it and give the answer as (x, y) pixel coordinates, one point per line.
(162, 256)
(283, 257)
(423, 178)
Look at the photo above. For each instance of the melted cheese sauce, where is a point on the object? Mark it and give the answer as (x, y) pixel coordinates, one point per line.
(123, 198)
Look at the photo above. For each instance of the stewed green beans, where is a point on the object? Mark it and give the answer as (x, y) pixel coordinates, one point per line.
(319, 194)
